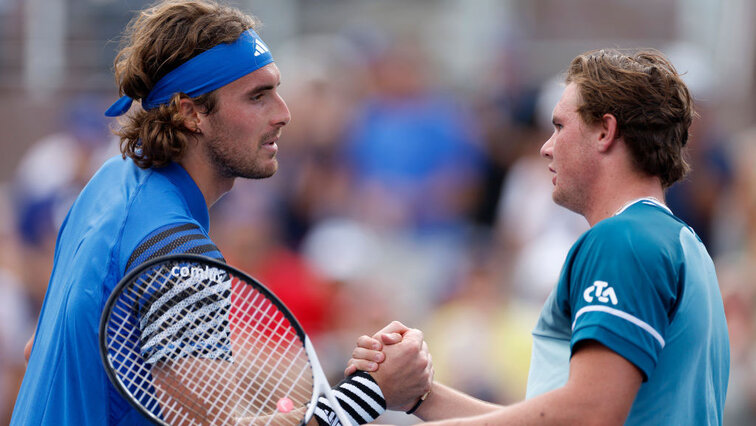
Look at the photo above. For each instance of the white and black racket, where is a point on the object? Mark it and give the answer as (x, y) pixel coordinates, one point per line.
(187, 339)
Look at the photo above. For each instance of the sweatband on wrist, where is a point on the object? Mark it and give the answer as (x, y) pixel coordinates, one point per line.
(210, 70)
(360, 398)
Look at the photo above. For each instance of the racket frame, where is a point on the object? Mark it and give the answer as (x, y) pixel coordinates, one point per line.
(320, 382)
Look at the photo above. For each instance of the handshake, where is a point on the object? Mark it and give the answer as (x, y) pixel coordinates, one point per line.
(397, 358)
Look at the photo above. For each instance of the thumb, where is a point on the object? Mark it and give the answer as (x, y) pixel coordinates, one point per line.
(391, 338)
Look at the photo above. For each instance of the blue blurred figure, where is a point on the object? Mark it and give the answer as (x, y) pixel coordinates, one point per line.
(415, 154)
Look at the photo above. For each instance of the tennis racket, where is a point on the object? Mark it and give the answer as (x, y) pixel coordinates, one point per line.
(190, 340)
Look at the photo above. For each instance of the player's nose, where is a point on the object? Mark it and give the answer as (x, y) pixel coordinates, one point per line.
(283, 115)
(547, 150)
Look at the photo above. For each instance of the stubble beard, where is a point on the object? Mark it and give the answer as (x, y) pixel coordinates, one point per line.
(570, 201)
(231, 164)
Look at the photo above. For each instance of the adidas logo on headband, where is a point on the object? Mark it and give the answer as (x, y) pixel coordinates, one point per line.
(260, 48)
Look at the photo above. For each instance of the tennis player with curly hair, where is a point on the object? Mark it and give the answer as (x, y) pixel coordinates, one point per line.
(206, 110)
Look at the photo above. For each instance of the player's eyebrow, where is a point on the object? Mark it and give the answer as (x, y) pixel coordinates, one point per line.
(262, 88)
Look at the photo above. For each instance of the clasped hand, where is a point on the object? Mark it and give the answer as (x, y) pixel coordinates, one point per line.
(397, 358)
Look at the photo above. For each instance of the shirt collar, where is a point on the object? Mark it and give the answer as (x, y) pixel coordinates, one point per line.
(189, 190)
(646, 200)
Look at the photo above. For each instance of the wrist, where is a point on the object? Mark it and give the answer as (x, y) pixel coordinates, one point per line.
(418, 403)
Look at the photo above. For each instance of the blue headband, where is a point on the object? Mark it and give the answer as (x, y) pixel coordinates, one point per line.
(205, 72)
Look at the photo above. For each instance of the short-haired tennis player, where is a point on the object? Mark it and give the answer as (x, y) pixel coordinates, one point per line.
(208, 112)
(634, 331)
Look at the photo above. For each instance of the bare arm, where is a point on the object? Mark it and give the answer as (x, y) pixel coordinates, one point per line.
(600, 390)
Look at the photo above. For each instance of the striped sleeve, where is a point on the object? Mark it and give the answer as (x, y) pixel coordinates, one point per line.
(202, 331)
(360, 398)
(176, 238)
(183, 319)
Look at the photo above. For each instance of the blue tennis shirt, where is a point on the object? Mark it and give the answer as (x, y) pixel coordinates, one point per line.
(124, 216)
(642, 284)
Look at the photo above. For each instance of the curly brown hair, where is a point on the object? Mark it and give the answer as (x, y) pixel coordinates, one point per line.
(649, 99)
(158, 40)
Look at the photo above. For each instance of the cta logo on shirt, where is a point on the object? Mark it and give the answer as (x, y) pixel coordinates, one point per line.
(600, 290)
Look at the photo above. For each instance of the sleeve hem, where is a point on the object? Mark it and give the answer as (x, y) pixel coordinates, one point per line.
(623, 347)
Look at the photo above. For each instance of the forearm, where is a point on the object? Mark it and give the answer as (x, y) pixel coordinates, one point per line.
(558, 407)
(600, 390)
(444, 403)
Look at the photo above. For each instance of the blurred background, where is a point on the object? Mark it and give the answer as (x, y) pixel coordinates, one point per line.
(409, 185)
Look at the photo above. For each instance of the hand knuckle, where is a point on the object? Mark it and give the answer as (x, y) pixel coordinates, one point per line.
(417, 345)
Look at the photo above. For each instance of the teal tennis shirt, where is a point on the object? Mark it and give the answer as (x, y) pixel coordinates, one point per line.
(642, 284)
(123, 217)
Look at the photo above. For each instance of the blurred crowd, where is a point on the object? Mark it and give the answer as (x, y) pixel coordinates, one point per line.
(397, 197)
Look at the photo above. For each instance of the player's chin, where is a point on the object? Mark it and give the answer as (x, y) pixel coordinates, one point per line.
(268, 169)
(559, 197)
(260, 170)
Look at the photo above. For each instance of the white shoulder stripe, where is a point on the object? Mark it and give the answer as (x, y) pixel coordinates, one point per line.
(620, 314)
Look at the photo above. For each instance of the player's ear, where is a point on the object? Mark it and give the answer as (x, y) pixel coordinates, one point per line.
(607, 132)
(191, 113)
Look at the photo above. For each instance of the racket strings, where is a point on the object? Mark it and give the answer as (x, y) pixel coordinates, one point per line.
(200, 378)
(283, 351)
(230, 351)
(125, 352)
(256, 380)
(261, 366)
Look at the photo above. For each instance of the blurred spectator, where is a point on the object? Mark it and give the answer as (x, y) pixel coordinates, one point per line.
(480, 338)
(373, 276)
(49, 177)
(248, 233)
(313, 178)
(696, 199)
(414, 153)
(736, 266)
(505, 106)
(739, 297)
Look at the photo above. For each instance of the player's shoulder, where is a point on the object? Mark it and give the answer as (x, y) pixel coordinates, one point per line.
(168, 215)
(166, 195)
(182, 237)
(639, 222)
(644, 229)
